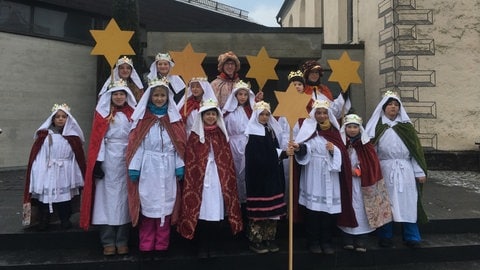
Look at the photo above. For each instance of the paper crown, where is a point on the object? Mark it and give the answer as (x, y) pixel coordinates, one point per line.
(199, 79)
(321, 104)
(212, 103)
(352, 119)
(157, 82)
(391, 93)
(119, 83)
(261, 105)
(124, 60)
(163, 56)
(242, 84)
(64, 107)
(295, 74)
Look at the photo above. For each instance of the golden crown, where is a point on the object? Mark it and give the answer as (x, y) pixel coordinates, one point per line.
(294, 74)
(199, 79)
(321, 104)
(64, 107)
(242, 84)
(261, 105)
(209, 103)
(124, 60)
(118, 83)
(163, 56)
(352, 119)
(391, 93)
(155, 82)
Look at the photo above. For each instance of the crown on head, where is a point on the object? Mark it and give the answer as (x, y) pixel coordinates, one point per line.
(209, 103)
(163, 56)
(124, 60)
(391, 93)
(64, 107)
(156, 82)
(199, 79)
(242, 84)
(261, 105)
(321, 104)
(119, 83)
(294, 74)
(352, 119)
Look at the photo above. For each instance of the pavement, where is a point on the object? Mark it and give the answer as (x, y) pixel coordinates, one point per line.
(447, 195)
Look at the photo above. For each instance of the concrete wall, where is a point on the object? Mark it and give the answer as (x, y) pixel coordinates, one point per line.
(36, 73)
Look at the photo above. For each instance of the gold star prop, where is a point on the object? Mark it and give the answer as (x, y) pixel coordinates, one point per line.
(344, 71)
(262, 67)
(291, 105)
(188, 64)
(112, 42)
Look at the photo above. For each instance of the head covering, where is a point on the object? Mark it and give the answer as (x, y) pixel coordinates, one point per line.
(232, 103)
(222, 58)
(134, 75)
(207, 91)
(255, 128)
(353, 119)
(71, 127)
(172, 111)
(402, 116)
(198, 122)
(105, 100)
(309, 126)
(296, 76)
(174, 80)
(310, 65)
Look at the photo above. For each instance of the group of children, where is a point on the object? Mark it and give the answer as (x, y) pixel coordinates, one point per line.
(215, 155)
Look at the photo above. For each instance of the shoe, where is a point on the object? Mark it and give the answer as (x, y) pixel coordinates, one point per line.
(315, 248)
(385, 243)
(327, 249)
(66, 224)
(271, 246)
(109, 250)
(360, 246)
(123, 250)
(258, 248)
(412, 244)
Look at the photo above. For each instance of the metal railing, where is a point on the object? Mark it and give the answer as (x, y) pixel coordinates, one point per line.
(219, 7)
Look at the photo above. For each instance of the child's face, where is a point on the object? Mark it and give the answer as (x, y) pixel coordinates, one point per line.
(124, 71)
(60, 118)
(298, 86)
(392, 109)
(314, 75)
(119, 98)
(209, 117)
(263, 117)
(196, 89)
(163, 67)
(159, 96)
(242, 96)
(321, 115)
(352, 130)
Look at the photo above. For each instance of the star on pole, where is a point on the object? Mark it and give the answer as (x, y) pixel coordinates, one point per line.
(188, 64)
(112, 42)
(262, 67)
(344, 71)
(291, 105)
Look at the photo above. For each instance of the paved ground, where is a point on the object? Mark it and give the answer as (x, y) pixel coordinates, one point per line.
(447, 195)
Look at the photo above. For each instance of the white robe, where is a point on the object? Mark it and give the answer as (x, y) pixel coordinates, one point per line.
(111, 195)
(156, 159)
(236, 123)
(399, 170)
(212, 207)
(357, 202)
(55, 175)
(319, 178)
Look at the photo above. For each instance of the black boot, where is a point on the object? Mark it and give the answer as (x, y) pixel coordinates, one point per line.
(44, 215)
(64, 211)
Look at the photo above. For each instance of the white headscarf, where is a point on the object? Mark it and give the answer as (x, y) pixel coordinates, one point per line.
(105, 100)
(402, 116)
(175, 81)
(232, 103)
(134, 75)
(309, 126)
(353, 119)
(139, 112)
(198, 122)
(255, 128)
(71, 127)
(207, 91)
